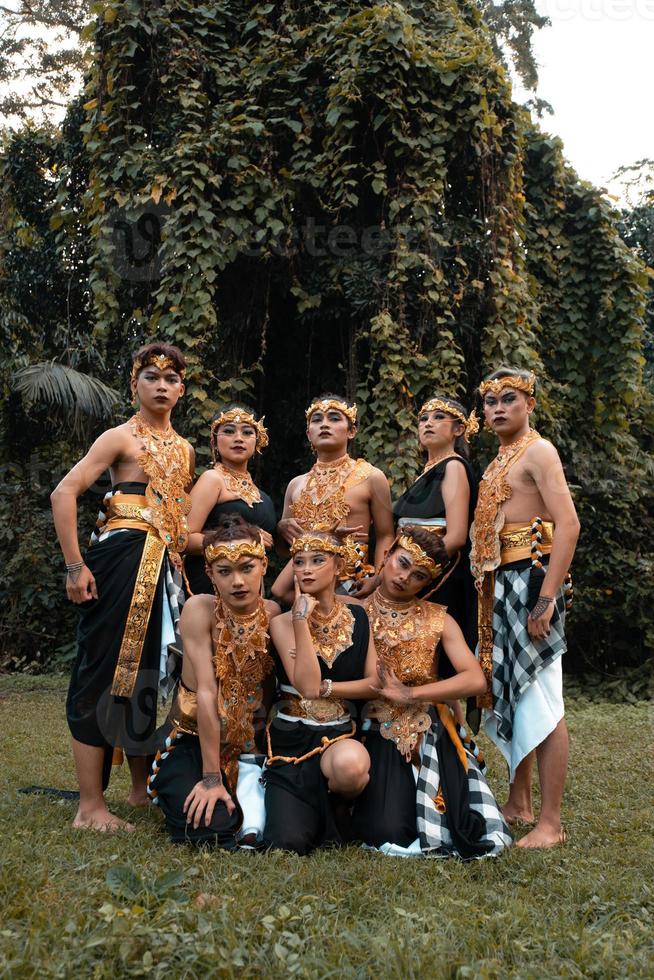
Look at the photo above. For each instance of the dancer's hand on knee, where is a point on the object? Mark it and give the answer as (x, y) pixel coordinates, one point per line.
(203, 799)
(80, 586)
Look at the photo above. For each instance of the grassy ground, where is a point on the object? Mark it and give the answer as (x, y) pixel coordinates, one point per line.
(79, 904)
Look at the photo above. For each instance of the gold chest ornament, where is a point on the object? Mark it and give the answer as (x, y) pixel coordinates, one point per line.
(406, 637)
(241, 662)
(321, 504)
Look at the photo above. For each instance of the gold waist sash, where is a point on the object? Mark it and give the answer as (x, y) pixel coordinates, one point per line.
(314, 709)
(125, 511)
(515, 541)
(184, 712)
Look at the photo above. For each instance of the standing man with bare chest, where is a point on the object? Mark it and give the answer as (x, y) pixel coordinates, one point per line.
(124, 585)
(523, 539)
(339, 491)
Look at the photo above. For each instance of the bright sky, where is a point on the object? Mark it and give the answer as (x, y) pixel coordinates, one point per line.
(595, 69)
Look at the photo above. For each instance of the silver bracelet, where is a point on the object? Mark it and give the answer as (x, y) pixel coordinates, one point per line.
(328, 688)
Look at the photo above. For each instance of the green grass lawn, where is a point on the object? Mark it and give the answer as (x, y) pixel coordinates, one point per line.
(77, 904)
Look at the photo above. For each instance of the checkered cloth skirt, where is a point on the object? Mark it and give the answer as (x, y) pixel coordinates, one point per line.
(433, 830)
(517, 658)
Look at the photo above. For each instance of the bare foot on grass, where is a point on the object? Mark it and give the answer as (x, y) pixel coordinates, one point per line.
(102, 820)
(544, 836)
(518, 816)
(137, 798)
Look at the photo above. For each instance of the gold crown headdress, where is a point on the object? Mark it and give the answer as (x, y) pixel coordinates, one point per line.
(247, 418)
(233, 551)
(471, 423)
(420, 557)
(323, 405)
(313, 542)
(161, 361)
(510, 381)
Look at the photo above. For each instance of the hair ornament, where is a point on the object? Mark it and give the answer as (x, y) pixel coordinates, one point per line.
(161, 361)
(420, 557)
(350, 411)
(246, 418)
(470, 423)
(497, 385)
(314, 542)
(233, 551)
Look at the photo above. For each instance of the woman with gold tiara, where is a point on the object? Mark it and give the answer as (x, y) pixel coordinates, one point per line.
(236, 435)
(442, 499)
(427, 794)
(206, 776)
(325, 658)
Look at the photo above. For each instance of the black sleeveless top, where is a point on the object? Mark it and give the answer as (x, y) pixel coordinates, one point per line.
(349, 665)
(262, 515)
(423, 500)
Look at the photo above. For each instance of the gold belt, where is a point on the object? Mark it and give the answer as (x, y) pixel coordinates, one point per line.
(184, 712)
(314, 709)
(515, 541)
(125, 510)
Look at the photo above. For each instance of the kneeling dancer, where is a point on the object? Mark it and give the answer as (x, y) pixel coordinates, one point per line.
(206, 779)
(325, 654)
(427, 794)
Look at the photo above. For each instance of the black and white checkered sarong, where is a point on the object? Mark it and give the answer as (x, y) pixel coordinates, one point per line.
(435, 837)
(517, 659)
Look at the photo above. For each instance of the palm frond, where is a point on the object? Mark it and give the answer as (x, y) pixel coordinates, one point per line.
(74, 395)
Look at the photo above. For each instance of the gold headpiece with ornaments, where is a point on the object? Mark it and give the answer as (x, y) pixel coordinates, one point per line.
(420, 557)
(497, 385)
(313, 542)
(350, 411)
(244, 417)
(471, 423)
(161, 361)
(233, 551)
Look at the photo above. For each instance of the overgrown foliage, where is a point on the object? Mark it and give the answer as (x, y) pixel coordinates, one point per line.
(339, 196)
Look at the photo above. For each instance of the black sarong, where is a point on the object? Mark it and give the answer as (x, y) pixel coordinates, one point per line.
(179, 770)
(95, 716)
(299, 807)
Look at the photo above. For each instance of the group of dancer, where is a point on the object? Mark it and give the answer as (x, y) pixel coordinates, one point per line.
(329, 713)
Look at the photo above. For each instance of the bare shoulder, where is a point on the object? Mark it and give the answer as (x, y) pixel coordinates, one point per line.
(191, 452)
(451, 629)
(296, 484)
(114, 443)
(273, 609)
(377, 477)
(198, 610)
(210, 478)
(541, 451)
(281, 624)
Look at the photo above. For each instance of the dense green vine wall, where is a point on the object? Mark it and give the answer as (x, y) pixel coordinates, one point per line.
(341, 195)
